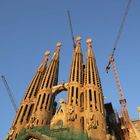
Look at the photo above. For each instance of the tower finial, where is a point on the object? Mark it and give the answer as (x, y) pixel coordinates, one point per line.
(78, 39)
(89, 41)
(47, 53)
(58, 45)
(42, 66)
(78, 43)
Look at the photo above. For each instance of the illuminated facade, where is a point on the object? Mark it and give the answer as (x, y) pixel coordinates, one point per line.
(83, 109)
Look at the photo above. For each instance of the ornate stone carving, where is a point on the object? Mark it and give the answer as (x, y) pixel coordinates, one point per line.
(91, 121)
(31, 123)
(71, 115)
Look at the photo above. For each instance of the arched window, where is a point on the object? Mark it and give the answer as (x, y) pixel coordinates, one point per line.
(95, 99)
(82, 122)
(82, 101)
(30, 112)
(19, 114)
(38, 102)
(89, 75)
(23, 115)
(47, 101)
(90, 95)
(77, 95)
(51, 105)
(100, 103)
(43, 101)
(72, 94)
(72, 91)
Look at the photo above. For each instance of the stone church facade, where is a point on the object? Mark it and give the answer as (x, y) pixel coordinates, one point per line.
(83, 110)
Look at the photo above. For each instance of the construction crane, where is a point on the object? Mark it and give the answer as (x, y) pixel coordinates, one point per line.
(10, 94)
(128, 124)
(71, 29)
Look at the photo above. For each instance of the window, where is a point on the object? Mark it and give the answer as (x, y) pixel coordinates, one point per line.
(97, 123)
(25, 109)
(19, 114)
(93, 77)
(82, 101)
(77, 76)
(72, 91)
(86, 99)
(90, 95)
(77, 95)
(37, 122)
(95, 97)
(38, 102)
(82, 122)
(30, 112)
(73, 75)
(43, 101)
(89, 76)
(33, 87)
(100, 103)
(51, 102)
(47, 101)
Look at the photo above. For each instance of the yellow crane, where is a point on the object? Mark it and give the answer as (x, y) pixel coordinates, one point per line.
(129, 127)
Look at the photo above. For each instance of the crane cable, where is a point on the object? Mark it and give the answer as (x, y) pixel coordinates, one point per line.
(121, 27)
(10, 94)
(71, 29)
(119, 34)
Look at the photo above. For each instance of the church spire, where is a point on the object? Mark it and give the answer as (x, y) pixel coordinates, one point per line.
(51, 75)
(35, 83)
(44, 106)
(93, 96)
(90, 67)
(44, 62)
(26, 107)
(76, 73)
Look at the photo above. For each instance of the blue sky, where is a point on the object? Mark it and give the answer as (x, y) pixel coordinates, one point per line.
(28, 28)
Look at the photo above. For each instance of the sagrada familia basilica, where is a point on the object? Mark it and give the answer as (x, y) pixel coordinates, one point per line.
(83, 113)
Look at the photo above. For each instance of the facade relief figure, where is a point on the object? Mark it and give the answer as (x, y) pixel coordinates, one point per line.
(31, 123)
(91, 121)
(71, 115)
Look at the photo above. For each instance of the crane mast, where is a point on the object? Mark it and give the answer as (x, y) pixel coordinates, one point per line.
(9, 93)
(128, 123)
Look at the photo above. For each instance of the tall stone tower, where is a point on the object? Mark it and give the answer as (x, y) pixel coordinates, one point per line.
(27, 104)
(36, 107)
(44, 107)
(94, 108)
(85, 99)
(76, 82)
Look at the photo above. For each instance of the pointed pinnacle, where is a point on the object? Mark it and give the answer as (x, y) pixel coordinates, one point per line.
(78, 39)
(89, 41)
(47, 53)
(59, 44)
